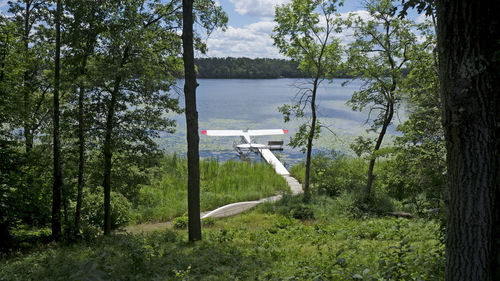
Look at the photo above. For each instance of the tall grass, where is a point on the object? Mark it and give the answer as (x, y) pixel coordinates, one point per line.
(221, 184)
(334, 175)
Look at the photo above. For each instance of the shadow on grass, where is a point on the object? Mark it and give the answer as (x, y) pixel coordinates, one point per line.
(161, 255)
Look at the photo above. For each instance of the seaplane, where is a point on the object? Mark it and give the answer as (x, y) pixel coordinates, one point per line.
(247, 145)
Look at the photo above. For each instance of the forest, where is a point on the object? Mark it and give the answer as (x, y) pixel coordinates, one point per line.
(259, 68)
(230, 68)
(87, 193)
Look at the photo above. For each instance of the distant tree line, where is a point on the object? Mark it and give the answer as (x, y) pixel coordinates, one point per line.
(247, 68)
(233, 68)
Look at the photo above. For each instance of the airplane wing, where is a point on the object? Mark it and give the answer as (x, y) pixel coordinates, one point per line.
(227, 133)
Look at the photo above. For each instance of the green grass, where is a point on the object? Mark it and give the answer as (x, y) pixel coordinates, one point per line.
(257, 245)
(221, 184)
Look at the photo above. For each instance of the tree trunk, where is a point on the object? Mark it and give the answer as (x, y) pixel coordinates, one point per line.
(190, 84)
(91, 38)
(58, 180)
(310, 138)
(469, 45)
(28, 136)
(5, 237)
(389, 113)
(108, 154)
(4, 57)
(108, 143)
(81, 160)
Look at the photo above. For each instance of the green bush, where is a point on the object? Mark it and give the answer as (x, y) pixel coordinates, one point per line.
(93, 211)
(301, 212)
(208, 222)
(25, 237)
(290, 206)
(181, 222)
(355, 204)
(332, 174)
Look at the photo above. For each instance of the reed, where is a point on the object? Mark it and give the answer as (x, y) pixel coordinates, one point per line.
(221, 183)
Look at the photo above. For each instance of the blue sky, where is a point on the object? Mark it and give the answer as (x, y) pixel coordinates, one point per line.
(244, 12)
(250, 26)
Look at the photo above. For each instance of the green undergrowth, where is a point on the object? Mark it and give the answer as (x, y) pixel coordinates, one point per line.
(257, 245)
(221, 184)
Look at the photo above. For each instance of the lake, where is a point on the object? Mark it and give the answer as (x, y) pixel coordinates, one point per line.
(253, 104)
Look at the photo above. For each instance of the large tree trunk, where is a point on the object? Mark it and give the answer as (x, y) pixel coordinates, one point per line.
(190, 84)
(108, 144)
(89, 49)
(310, 138)
(58, 180)
(28, 136)
(469, 46)
(81, 141)
(108, 154)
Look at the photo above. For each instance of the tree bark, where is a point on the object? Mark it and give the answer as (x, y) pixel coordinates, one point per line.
(81, 160)
(108, 144)
(81, 138)
(89, 49)
(190, 84)
(58, 180)
(4, 56)
(28, 136)
(108, 154)
(389, 113)
(469, 46)
(310, 138)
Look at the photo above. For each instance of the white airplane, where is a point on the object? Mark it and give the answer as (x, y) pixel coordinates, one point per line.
(246, 135)
(264, 150)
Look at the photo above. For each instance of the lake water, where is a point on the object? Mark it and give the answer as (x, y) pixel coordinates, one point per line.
(253, 104)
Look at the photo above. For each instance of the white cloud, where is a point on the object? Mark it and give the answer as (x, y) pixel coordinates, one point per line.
(257, 8)
(253, 40)
(3, 4)
(423, 18)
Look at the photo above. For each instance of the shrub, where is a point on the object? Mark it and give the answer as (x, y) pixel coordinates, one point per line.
(25, 237)
(355, 204)
(333, 174)
(208, 222)
(93, 211)
(301, 212)
(181, 222)
(290, 206)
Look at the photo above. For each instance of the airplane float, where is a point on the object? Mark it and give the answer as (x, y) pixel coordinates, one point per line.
(248, 145)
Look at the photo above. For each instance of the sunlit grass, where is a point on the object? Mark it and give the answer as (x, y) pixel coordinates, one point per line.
(256, 245)
(221, 184)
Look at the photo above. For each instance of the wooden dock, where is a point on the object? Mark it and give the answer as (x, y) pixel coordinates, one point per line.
(271, 159)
